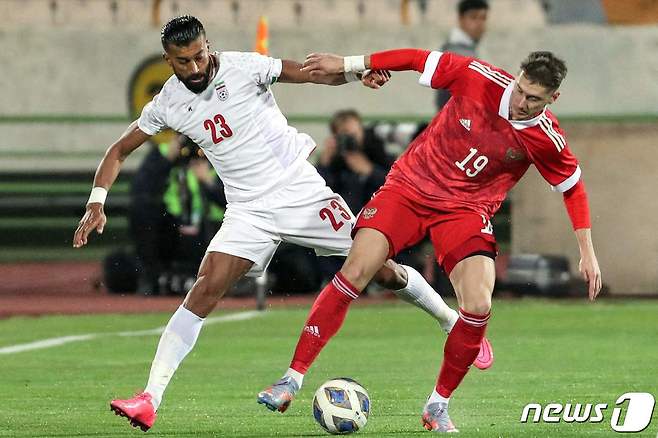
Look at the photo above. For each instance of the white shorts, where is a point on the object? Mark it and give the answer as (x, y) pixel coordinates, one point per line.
(305, 212)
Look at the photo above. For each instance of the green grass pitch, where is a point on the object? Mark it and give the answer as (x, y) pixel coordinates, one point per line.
(546, 351)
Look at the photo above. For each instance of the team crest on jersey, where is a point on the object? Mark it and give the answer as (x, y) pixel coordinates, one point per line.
(368, 213)
(466, 123)
(221, 90)
(514, 155)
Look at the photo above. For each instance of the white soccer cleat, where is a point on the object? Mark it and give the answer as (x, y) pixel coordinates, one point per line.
(436, 419)
(279, 396)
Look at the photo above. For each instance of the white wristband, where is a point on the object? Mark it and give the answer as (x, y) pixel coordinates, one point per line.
(350, 76)
(354, 64)
(98, 194)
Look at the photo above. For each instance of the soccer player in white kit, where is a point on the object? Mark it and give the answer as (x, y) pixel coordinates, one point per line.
(222, 101)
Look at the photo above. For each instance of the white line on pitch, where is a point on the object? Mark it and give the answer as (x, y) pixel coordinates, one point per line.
(55, 342)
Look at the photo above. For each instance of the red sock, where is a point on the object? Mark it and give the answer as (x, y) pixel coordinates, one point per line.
(461, 349)
(324, 320)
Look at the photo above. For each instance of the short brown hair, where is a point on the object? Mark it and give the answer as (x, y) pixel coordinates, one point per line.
(545, 69)
(341, 116)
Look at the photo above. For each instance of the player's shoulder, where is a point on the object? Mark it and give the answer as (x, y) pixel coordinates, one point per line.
(232, 55)
(489, 72)
(243, 60)
(546, 132)
(169, 90)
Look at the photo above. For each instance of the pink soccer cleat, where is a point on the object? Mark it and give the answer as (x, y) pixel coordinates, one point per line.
(485, 356)
(139, 410)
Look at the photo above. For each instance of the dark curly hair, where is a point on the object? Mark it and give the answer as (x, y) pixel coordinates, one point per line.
(545, 69)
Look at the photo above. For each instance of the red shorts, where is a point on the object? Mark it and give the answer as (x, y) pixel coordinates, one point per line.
(455, 234)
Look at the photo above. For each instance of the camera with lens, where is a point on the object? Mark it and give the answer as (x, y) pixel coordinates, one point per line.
(346, 143)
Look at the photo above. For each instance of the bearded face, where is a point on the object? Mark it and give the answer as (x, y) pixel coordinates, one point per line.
(191, 63)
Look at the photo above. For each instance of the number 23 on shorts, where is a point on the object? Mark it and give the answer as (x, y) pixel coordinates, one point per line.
(335, 213)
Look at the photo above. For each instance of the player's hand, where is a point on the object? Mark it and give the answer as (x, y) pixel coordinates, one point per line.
(93, 219)
(375, 78)
(589, 269)
(321, 64)
(328, 152)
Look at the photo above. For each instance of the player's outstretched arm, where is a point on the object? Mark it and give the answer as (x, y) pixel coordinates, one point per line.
(292, 72)
(393, 60)
(588, 265)
(577, 205)
(107, 171)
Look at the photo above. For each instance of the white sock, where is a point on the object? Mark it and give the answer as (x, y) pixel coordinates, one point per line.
(177, 339)
(299, 377)
(419, 293)
(436, 398)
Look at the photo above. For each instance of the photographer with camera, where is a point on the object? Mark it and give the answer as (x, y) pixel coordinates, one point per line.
(177, 204)
(353, 161)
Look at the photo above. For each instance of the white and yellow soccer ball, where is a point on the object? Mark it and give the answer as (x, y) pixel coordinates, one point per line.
(341, 406)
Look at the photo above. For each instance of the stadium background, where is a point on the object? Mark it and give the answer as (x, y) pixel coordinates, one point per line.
(67, 66)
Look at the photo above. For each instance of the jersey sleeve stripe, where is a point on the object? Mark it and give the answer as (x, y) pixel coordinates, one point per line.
(431, 64)
(559, 136)
(569, 182)
(491, 73)
(488, 75)
(547, 126)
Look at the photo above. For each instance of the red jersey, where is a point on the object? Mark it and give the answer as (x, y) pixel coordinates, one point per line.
(471, 154)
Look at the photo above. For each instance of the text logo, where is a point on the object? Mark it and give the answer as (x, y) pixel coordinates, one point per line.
(637, 416)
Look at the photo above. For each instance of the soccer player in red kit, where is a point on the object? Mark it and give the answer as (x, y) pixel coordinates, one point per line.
(448, 184)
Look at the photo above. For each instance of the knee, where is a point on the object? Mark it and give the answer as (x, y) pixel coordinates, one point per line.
(479, 305)
(475, 297)
(356, 273)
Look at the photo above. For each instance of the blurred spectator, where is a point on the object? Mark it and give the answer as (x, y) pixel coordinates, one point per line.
(353, 162)
(463, 39)
(177, 204)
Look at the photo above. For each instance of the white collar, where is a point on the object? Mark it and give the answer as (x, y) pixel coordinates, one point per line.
(503, 110)
(458, 36)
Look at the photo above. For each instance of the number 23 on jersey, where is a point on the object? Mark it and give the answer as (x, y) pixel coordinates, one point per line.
(219, 129)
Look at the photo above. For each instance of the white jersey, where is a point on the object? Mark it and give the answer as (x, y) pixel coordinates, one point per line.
(236, 122)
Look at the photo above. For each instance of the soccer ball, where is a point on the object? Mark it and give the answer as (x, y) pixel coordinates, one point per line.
(341, 406)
